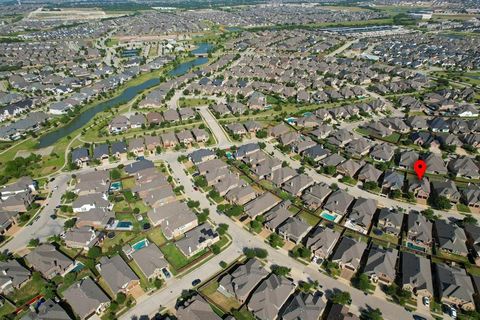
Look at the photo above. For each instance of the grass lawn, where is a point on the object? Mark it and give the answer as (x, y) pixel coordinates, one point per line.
(103, 284)
(474, 271)
(120, 238)
(463, 208)
(194, 102)
(451, 256)
(69, 251)
(156, 236)
(142, 206)
(29, 291)
(384, 237)
(309, 218)
(111, 42)
(143, 280)
(243, 314)
(121, 206)
(6, 309)
(174, 256)
(128, 183)
(225, 303)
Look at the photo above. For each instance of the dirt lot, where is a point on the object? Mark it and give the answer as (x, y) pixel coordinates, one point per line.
(70, 14)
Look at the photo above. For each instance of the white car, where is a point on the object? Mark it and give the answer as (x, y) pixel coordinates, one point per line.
(453, 312)
(426, 301)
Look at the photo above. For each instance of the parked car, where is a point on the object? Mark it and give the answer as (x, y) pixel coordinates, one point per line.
(166, 273)
(426, 301)
(196, 282)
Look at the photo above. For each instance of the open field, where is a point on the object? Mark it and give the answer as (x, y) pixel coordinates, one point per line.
(71, 14)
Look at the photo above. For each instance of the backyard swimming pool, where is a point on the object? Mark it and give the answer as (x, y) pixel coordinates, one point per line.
(116, 186)
(415, 247)
(140, 244)
(125, 225)
(328, 216)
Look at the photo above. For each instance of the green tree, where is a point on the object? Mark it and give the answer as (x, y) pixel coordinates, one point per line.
(70, 223)
(33, 243)
(275, 240)
(469, 220)
(121, 297)
(280, 271)
(94, 252)
(341, 297)
(216, 249)
(222, 229)
(157, 283)
(262, 134)
(371, 314)
(439, 202)
(361, 282)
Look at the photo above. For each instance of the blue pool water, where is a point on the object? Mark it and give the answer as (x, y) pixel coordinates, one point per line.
(290, 120)
(79, 267)
(328, 216)
(140, 244)
(308, 114)
(414, 247)
(124, 224)
(116, 186)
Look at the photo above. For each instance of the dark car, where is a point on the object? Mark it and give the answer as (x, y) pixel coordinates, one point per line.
(166, 273)
(196, 282)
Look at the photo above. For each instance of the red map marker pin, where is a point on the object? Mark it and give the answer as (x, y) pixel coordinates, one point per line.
(420, 167)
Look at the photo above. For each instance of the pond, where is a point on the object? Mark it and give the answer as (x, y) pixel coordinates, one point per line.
(126, 95)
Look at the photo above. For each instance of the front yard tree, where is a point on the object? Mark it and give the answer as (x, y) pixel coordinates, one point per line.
(341, 297)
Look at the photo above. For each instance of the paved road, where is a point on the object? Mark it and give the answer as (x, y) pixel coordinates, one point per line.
(45, 226)
(342, 48)
(215, 127)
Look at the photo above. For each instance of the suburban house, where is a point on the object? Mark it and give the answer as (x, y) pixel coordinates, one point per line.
(276, 216)
(305, 306)
(174, 218)
(348, 255)
(416, 274)
(195, 308)
(420, 188)
(150, 261)
(242, 280)
(294, 229)
(48, 261)
(473, 241)
(12, 276)
(339, 202)
(450, 238)
(340, 312)
(197, 239)
(117, 274)
(298, 184)
(381, 264)
(241, 195)
(269, 297)
(315, 196)
(86, 298)
(390, 221)
(81, 238)
(201, 155)
(88, 202)
(80, 157)
(361, 215)
(321, 242)
(261, 204)
(454, 286)
(419, 232)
